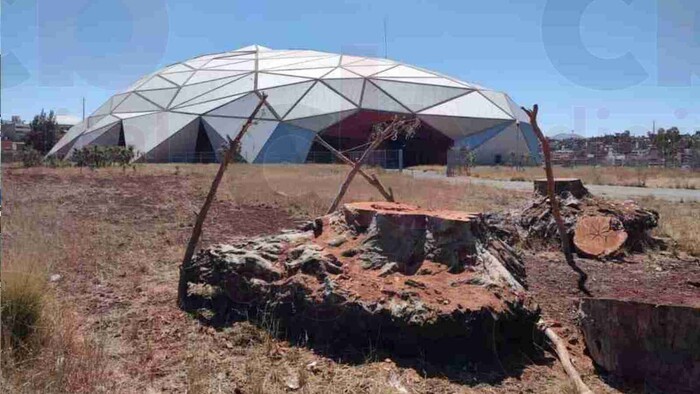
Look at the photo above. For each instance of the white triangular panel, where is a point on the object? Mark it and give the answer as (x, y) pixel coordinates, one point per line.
(207, 106)
(72, 133)
(405, 72)
(178, 78)
(417, 97)
(332, 61)
(348, 59)
(266, 81)
(239, 56)
(253, 140)
(350, 88)
(104, 109)
(341, 73)
(240, 66)
(177, 68)
(456, 128)
(236, 87)
(266, 64)
(128, 115)
(319, 100)
(224, 127)
(429, 81)
(146, 132)
(272, 54)
(91, 135)
(156, 83)
(92, 120)
(321, 122)
(472, 105)
(106, 121)
(366, 71)
(373, 62)
(191, 91)
(215, 63)
(282, 99)
(374, 98)
(307, 73)
(117, 99)
(516, 110)
(197, 63)
(136, 103)
(499, 99)
(243, 107)
(137, 83)
(254, 48)
(210, 75)
(161, 97)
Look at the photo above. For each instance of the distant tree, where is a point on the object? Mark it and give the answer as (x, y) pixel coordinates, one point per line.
(44, 132)
(668, 143)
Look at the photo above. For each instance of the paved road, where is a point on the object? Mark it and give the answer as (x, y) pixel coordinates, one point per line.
(615, 192)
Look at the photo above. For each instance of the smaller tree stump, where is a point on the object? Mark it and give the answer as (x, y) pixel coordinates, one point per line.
(599, 236)
(561, 185)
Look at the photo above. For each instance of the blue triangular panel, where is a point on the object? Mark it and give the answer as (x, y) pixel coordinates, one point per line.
(531, 139)
(475, 140)
(287, 144)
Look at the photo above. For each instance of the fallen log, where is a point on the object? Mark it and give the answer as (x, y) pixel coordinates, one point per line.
(599, 236)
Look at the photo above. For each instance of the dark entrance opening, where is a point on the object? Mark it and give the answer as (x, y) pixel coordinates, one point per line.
(203, 151)
(122, 141)
(427, 146)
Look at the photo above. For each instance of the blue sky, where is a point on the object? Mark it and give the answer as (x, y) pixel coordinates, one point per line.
(593, 66)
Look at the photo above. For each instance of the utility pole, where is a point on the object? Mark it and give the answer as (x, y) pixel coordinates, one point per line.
(386, 47)
(83, 108)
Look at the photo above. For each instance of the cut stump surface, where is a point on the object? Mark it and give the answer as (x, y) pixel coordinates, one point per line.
(599, 236)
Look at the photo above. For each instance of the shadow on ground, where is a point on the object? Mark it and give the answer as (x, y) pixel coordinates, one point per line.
(486, 356)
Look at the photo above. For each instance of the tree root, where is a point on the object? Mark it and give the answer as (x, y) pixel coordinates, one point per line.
(564, 358)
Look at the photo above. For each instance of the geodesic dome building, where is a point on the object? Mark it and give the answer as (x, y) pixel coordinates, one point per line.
(185, 111)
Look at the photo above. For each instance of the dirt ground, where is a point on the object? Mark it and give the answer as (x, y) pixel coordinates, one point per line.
(122, 236)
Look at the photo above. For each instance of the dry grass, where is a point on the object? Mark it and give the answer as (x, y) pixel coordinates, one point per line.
(679, 222)
(111, 324)
(674, 178)
(43, 349)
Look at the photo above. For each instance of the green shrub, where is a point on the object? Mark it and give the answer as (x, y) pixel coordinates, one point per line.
(31, 158)
(103, 156)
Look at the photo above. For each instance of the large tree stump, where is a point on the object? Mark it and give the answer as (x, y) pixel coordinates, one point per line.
(655, 345)
(599, 236)
(561, 185)
(404, 280)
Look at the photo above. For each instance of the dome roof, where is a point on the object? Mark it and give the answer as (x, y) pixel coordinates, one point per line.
(308, 91)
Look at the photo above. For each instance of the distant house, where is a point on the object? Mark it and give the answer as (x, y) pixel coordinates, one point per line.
(15, 129)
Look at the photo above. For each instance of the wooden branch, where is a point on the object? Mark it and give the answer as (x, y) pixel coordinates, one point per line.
(232, 149)
(553, 201)
(564, 358)
(348, 179)
(371, 179)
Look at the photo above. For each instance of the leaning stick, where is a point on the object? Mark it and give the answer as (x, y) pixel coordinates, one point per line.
(554, 202)
(371, 179)
(351, 175)
(564, 358)
(228, 156)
